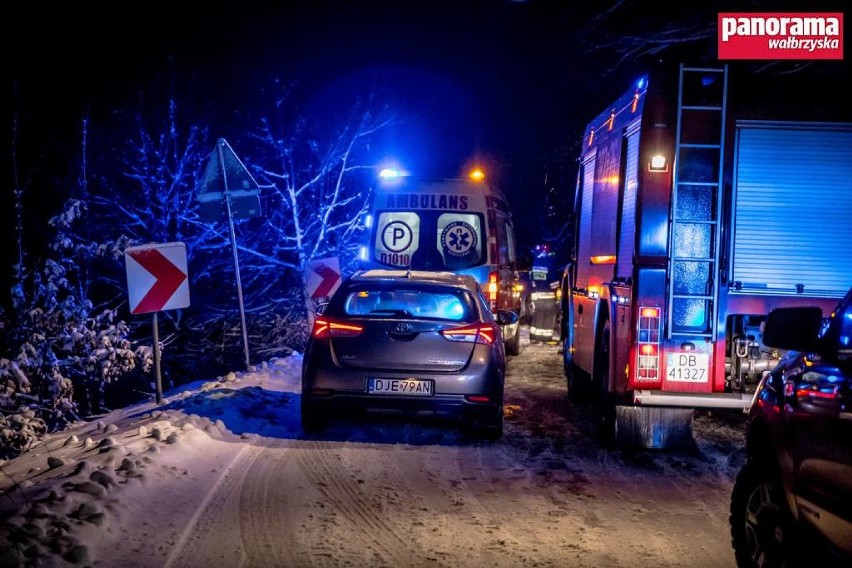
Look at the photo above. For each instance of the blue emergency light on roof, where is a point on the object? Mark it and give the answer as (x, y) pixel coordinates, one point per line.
(390, 174)
(641, 83)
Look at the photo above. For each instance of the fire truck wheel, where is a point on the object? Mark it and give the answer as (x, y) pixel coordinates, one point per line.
(761, 525)
(601, 365)
(578, 381)
(600, 387)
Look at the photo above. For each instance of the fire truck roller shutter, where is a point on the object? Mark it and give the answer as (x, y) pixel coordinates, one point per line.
(793, 203)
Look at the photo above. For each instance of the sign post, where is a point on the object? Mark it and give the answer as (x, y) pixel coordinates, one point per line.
(157, 279)
(229, 190)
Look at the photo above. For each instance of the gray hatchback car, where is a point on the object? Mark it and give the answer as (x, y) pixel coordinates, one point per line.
(410, 343)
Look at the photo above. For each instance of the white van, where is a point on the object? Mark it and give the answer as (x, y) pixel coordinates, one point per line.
(458, 225)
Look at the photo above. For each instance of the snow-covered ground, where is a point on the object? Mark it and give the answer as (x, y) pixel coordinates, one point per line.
(220, 474)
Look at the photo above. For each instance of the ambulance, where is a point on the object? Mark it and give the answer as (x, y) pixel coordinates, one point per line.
(459, 225)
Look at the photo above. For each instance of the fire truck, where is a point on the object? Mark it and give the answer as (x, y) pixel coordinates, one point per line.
(698, 209)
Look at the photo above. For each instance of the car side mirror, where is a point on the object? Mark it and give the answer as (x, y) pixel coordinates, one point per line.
(320, 309)
(506, 317)
(793, 328)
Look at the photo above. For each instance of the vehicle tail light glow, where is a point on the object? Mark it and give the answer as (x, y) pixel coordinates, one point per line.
(327, 327)
(484, 333)
(477, 398)
(648, 354)
(603, 259)
(493, 285)
(648, 349)
(827, 393)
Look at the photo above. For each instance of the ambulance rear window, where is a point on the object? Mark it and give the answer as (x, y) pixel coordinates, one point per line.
(429, 240)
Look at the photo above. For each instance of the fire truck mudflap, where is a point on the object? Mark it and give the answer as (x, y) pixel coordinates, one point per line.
(655, 427)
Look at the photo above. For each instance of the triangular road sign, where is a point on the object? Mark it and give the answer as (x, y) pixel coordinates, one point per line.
(237, 175)
(227, 177)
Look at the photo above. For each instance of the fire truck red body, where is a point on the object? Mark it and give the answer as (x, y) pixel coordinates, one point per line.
(695, 215)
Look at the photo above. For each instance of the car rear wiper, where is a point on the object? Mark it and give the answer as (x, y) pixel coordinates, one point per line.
(393, 313)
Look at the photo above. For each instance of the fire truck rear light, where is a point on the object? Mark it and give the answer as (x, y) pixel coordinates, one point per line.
(648, 337)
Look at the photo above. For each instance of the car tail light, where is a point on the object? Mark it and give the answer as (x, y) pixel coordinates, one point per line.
(830, 392)
(484, 333)
(477, 398)
(327, 327)
(493, 287)
(648, 355)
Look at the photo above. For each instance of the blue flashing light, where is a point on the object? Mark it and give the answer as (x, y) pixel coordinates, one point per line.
(642, 83)
(452, 309)
(390, 174)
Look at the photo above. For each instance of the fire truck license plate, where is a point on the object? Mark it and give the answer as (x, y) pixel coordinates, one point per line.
(688, 367)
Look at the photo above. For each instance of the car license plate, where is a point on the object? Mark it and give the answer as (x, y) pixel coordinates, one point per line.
(407, 387)
(688, 367)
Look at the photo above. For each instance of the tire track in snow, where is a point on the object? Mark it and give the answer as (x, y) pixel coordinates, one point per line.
(207, 522)
(335, 483)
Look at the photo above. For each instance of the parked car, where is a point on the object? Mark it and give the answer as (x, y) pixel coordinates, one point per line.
(792, 501)
(407, 342)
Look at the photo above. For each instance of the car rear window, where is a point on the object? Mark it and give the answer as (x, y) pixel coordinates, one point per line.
(447, 304)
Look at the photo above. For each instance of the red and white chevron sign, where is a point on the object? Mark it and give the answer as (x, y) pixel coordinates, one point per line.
(322, 277)
(157, 277)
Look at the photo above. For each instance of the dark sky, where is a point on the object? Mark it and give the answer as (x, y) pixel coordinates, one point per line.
(503, 80)
(513, 82)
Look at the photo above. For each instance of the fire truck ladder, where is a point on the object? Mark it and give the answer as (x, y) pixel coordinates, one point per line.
(694, 237)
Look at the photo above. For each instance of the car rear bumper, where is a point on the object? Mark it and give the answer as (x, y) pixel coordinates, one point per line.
(439, 405)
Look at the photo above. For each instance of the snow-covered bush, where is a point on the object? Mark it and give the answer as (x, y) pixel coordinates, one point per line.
(61, 351)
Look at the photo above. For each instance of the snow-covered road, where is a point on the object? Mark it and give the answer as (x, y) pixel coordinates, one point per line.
(238, 484)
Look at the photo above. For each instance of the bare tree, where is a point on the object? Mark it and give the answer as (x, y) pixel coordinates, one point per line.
(320, 182)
